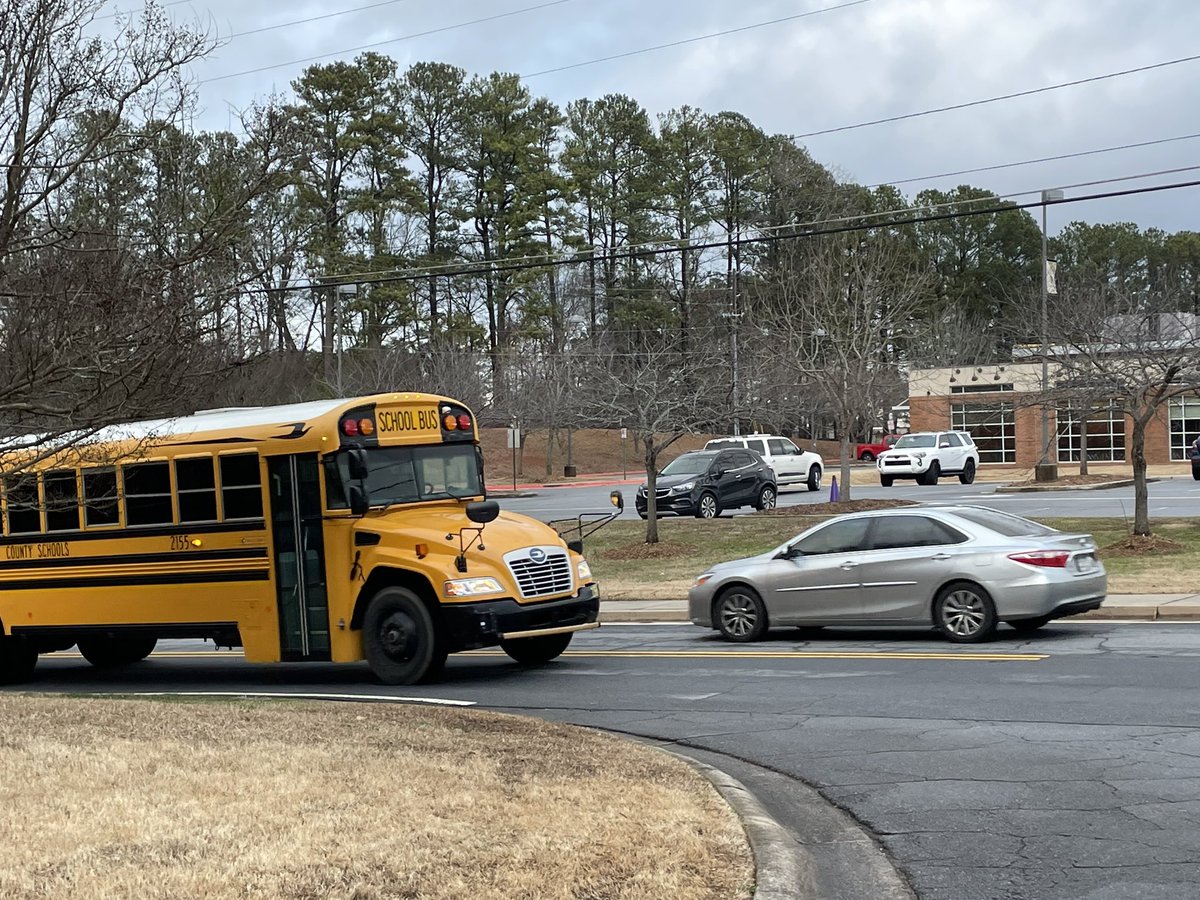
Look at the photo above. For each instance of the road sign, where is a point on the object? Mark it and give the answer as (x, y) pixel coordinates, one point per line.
(514, 438)
(624, 433)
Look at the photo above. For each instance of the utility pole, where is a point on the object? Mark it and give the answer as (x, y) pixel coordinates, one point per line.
(732, 318)
(1047, 470)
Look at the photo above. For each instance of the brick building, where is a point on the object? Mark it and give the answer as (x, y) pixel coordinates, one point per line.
(998, 405)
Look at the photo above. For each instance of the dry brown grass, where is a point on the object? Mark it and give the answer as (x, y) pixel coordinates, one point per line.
(141, 799)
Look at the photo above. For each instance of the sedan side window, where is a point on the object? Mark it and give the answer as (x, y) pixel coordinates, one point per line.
(838, 537)
(897, 532)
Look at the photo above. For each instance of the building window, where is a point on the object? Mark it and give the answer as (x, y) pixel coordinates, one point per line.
(1185, 425)
(1105, 433)
(993, 428)
(980, 388)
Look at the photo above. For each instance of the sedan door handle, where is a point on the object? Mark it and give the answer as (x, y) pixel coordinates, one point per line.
(848, 564)
(940, 557)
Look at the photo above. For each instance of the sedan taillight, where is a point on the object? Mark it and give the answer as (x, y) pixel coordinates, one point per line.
(1047, 559)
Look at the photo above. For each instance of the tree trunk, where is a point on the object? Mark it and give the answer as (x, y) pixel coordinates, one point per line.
(844, 471)
(651, 483)
(1141, 504)
(1083, 438)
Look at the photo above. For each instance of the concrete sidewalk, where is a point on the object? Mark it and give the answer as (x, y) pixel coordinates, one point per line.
(1144, 607)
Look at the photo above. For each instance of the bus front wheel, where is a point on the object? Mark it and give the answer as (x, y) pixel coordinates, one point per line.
(18, 659)
(399, 638)
(110, 652)
(533, 651)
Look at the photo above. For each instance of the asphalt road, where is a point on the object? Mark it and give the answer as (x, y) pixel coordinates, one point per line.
(1177, 496)
(1061, 766)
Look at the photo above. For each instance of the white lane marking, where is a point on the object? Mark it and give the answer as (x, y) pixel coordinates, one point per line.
(285, 695)
(694, 696)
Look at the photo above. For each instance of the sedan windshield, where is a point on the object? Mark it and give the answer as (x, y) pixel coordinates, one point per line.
(407, 475)
(916, 440)
(689, 464)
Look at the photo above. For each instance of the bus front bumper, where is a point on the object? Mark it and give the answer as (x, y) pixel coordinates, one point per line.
(469, 626)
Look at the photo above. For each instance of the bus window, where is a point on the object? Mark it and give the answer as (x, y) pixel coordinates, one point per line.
(62, 500)
(241, 486)
(24, 517)
(196, 482)
(148, 494)
(100, 498)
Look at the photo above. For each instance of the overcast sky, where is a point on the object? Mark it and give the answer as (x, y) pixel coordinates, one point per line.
(869, 60)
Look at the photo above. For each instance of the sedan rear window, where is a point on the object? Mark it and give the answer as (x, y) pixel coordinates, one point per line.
(1004, 523)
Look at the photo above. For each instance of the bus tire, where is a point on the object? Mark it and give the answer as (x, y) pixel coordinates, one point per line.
(533, 651)
(18, 659)
(399, 638)
(110, 652)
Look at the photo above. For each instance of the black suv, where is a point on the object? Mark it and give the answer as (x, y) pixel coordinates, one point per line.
(705, 482)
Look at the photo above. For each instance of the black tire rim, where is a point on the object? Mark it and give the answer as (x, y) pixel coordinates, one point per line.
(398, 636)
(738, 614)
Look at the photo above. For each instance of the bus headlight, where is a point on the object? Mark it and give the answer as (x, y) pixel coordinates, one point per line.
(584, 570)
(472, 587)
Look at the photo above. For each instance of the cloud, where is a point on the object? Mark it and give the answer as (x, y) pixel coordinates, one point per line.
(877, 59)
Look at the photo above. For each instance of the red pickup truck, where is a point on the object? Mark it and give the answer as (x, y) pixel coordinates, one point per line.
(868, 452)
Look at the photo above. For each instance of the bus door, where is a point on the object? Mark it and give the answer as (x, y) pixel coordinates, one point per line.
(299, 556)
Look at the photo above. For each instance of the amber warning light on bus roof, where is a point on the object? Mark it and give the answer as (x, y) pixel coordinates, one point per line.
(355, 427)
(452, 422)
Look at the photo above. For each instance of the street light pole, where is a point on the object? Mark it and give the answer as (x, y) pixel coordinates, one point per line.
(1047, 470)
(342, 290)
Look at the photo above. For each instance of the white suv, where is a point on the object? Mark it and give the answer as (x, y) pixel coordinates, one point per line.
(927, 455)
(790, 464)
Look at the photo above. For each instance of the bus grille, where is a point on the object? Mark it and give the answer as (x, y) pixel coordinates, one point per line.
(540, 571)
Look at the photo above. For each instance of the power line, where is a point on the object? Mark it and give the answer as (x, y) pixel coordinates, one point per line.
(503, 266)
(113, 15)
(692, 40)
(332, 15)
(1042, 159)
(406, 37)
(650, 248)
(996, 99)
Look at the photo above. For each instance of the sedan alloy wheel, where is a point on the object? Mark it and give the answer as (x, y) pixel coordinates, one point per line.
(965, 614)
(740, 615)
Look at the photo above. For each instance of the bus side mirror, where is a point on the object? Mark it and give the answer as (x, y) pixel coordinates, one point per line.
(617, 500)
(483, 511)
(357, 458)
(359, 504)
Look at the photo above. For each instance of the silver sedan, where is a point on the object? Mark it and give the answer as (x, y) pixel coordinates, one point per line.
(961, 569)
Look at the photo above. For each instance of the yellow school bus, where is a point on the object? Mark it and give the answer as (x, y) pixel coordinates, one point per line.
(329, 531)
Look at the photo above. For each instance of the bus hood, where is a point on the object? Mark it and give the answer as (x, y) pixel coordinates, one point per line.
(430, 526)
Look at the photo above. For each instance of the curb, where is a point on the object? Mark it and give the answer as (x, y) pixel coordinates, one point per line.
(610, 611)
(1098, 486)
(782, 869)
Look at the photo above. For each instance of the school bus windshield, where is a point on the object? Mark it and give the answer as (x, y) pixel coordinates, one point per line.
(408, 475)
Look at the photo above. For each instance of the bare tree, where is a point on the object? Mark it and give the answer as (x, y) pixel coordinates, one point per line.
(844, 311)
(118, 233)
(662, 393)
(1138, 350)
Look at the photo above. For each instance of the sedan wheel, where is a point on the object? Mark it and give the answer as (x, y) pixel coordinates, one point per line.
(740, 615)
(965, 614)
(814, 478)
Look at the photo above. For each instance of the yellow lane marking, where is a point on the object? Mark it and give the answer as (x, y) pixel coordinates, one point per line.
(675, 654)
